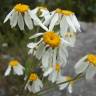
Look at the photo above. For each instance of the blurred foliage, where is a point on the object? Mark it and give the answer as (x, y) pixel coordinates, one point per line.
(84, 9)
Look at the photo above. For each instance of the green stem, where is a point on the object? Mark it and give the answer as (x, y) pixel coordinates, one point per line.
(79, 76)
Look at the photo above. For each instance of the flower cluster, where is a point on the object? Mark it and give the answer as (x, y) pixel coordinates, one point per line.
(87, 65)
(50, 45)
(60, 28)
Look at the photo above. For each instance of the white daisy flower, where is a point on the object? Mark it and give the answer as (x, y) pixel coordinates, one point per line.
(16, 66)
(67, 85)
(39, 12)
(50, 49)
(21, 14)
(54, 73)
(34, 84)
(65, 18)
(87, 65)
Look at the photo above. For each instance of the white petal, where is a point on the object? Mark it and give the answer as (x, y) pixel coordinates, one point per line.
(63, 26)
(46, 58)
(46, 73)
(53, 76)
(70, 23)
(62, 56)
(30, 51)
(90, 72)
(60, 80)
(27, 84)
(28, 20)
(53, 22)
(36, 86)
(20, 21)
(48, 19)
(75, 22)
(40, 84)
(8, 16)
(8, 70)
(81, 65)
(14, 19)
(70, 88)
(54, 56)
(36, 35)
(81, 68)
(40, 51)
(66, 43)
(32, 45)
(18, 70)
(38, 22)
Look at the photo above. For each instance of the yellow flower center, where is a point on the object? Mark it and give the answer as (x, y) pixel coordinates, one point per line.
(52, 39)
(57, 68)
(67, 12)
(13, 63)
(21, 8)
(33, 77)
(64, 12)
(69, 34)
(92, 59)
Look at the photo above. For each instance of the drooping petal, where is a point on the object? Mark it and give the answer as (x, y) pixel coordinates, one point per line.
(90, 72)
(60, 80)
(75, 22)
(8, 16)
(70, 88)
(63, 26)
(28, 20)
(14, 19)
(8, 70)
(53, 22)
(18, 70)
(70, 23)
(31, 45)
(36, 35)
(20, 21)
(53, 76)
(47, 72)
(37, 21)
(82, 67)
(54, 56)
(48, 19)
(66, 43)
(40, 51)
(46, 58)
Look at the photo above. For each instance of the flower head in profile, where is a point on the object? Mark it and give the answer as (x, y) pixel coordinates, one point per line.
(21, 14)
(87, 65)
(53, 72)
(50, 49)
(16, 66)
(69, 83)
(65, 18)
(34, 84)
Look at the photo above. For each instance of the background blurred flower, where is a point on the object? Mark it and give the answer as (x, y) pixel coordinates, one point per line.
(87, 65)
(16, 66)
